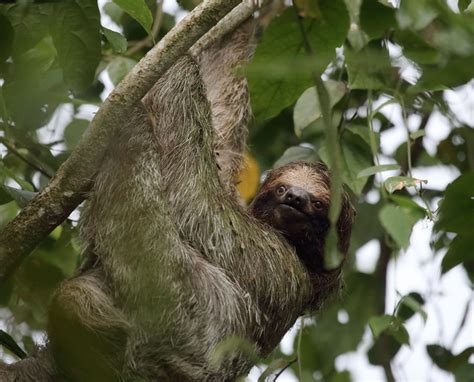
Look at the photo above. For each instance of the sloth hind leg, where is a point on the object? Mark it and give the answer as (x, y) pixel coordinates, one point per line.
(87, 333)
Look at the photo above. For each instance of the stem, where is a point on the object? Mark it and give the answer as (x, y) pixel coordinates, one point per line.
(405, 123)
(277, 375)
(373, 142)
(463, 322)
(298, 348)
(381, 274)
(332, 256)
(149, 40)
(28, 161)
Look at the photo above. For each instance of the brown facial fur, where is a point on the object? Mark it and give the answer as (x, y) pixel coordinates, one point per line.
(304, 223)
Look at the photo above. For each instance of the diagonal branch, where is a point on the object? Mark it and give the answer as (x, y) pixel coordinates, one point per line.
(74, 178)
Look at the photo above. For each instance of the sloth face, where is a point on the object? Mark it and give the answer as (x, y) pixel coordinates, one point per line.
(295, 211)
(294, 199)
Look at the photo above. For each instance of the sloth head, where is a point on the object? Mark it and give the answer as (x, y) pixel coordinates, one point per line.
(294, 199)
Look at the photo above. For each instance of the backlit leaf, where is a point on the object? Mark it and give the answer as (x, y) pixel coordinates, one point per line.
(117, 40)
(139, 10)
(398, 222)
(376, 169)
(308, 110)
(396, 183)
(281, 69)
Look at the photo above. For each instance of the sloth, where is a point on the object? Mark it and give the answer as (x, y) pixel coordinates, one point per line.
(295, 200)
(175, 265)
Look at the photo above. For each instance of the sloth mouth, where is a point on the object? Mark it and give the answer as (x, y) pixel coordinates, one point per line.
(292, 209)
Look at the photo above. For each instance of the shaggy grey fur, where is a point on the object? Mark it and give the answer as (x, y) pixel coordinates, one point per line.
(176, 267)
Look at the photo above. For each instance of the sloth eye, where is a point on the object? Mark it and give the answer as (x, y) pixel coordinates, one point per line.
(281, 190)
(317, 204)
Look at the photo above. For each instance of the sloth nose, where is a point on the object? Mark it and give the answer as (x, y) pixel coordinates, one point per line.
(296, 197)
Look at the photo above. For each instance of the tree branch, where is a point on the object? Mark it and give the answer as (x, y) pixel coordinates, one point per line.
(74, 178)
(231, 21)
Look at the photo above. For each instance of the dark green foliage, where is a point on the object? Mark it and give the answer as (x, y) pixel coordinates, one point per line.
(52, 53)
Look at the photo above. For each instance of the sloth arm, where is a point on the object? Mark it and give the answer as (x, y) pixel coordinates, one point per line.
(228, 95)
(207, 217)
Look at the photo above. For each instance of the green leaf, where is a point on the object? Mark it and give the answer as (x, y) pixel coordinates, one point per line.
(395, 183)
(457, 207)
(470, 8)
(357, 38)
(30, 27)
(400, 333)
(416, 14)
(376, 169)
(463, 4)
(139, 10)
(398, 222)
(364, 133)
(74, 132)
(444, 359)
(19, 180)
(464, 372)
(114, 12)
(376, 19)
(384, 348)
(281, 69)
(390, 325)
(6, 38)
(365, 226)
(41, 56)
(416, 48)
(76, 34)
(9, 343)
(369, 68)
(407, 202)
(356, 156)
(308, 110)
(21, 197)
(74, 27)
(295, 153)
(5, 196)
(3, 107)
(379, 324)
(461, 250)
(343, 376)
(417, 134)
(308, 8)
(117, 40)
(119, 67)
(451, 72)
(409, 304)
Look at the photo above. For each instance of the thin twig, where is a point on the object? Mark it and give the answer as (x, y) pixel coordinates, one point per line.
(149, 40)
(25, 159)
(334, 155)
(298, 348)
(277, 375)
(463, 322)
